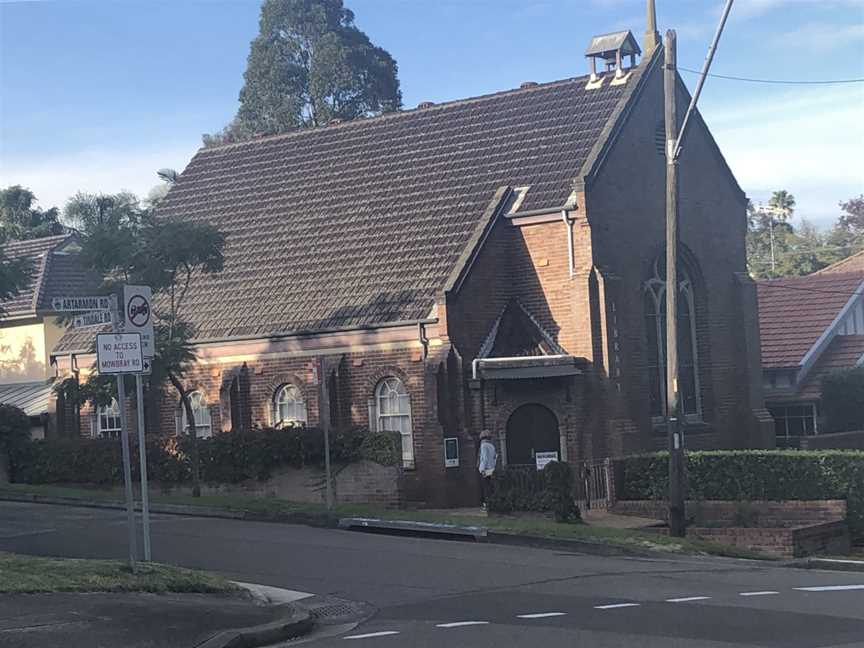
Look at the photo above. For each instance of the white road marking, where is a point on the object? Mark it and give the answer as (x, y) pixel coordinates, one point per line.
(459, 624)
(373, 634)
(764, 593)
(830, 588)
(688, 598)
(614, 606)
(540, 615)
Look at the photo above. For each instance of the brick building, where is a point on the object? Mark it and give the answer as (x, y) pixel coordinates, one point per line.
(810, 326)
(494, 262)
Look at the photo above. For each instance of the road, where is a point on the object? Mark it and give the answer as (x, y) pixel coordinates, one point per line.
(435, 592)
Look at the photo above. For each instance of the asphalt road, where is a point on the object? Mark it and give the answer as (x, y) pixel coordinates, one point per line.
(436, 592)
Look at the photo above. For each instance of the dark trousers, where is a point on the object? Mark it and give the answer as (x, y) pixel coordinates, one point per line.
(485, 489)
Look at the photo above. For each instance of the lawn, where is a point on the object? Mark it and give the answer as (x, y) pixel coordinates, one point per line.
(315, 514)
(29, 574)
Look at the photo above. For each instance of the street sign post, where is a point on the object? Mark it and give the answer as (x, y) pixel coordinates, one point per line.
(92, 318)
(119, 353)
(138, 318)
(81, 303)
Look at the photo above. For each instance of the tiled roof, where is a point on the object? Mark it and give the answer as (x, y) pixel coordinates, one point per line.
(794, 312)
(31, 397)
(854, 263)
(843, 352)
(360, 223)
(25, 302)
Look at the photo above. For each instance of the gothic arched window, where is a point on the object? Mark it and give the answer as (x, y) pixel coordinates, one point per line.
(655, 324)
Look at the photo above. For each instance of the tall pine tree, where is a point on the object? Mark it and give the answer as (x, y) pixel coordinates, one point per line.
(308, 66)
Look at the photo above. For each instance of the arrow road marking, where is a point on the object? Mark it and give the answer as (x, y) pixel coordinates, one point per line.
(540, 615)
(830, 588)
(459, 624)
(373, 634)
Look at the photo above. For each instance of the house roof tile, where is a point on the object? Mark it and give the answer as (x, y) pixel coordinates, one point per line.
(361, 223)
(795, 311)
(844, 352)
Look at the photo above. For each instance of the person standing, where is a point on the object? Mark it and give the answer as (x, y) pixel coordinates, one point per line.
(486, 466)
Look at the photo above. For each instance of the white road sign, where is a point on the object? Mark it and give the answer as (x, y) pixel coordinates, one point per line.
(138, 314)
(81, 303)
(118, 353)
(93, 318)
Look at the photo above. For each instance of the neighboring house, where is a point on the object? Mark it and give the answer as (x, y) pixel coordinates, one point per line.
(494, 262)
(810, 326)
(29, 330)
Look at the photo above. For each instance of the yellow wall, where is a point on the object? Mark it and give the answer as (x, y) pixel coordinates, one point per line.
(23, 356)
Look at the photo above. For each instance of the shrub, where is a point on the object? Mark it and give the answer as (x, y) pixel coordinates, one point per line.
(843, 400)
(527, 489)
(755, 475)
(558, 478)
(231, 457)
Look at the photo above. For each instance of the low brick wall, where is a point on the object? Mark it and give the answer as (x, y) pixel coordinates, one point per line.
(826, 537)
(757, 513)
(362, 482)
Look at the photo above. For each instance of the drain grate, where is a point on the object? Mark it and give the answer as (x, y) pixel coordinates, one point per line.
(329, 610)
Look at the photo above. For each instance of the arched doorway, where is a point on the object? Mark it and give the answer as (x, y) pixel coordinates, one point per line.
(531, 429)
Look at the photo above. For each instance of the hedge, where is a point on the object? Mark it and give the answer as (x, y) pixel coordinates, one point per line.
(231, 457)
(529, 489)
(755, 475)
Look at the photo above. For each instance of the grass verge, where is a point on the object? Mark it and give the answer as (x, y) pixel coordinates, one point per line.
(276, 509)
(21, 574)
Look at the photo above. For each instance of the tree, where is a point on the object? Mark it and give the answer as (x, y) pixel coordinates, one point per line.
(20, 220)
(843, 400)
(14, 274)
(135, 246)
(309, 65)
(14, 432)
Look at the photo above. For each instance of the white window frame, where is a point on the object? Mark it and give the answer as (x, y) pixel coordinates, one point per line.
(106, 414)
(296, 401)
(384, 421)
(201, 411)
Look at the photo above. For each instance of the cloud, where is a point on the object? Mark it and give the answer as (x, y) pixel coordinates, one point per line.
(754, 8)
(821, 38)
(810, 145)
(55, 179)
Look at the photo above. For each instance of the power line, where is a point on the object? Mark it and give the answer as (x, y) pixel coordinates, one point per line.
(777, 81)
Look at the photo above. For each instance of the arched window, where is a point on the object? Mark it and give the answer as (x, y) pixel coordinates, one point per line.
(108, 420)
(393, 414)
(288, 406)
(201, 412)
(655, 324)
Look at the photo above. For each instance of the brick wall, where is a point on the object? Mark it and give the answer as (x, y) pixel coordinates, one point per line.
(363, 482)
(626, 212)
(787, 514)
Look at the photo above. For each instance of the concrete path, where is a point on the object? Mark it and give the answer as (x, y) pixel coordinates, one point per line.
(128, 620)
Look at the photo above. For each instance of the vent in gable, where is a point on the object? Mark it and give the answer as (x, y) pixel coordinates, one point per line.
(660, 139)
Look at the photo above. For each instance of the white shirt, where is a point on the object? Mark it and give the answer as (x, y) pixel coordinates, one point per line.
(488, 456)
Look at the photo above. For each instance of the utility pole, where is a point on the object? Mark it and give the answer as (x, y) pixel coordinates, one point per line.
(676, 446)
(677, 525)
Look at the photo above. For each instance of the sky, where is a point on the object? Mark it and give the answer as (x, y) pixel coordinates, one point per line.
(96, 95)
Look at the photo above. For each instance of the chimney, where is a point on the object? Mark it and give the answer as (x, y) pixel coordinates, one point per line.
(425, 104)
(652, 36)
